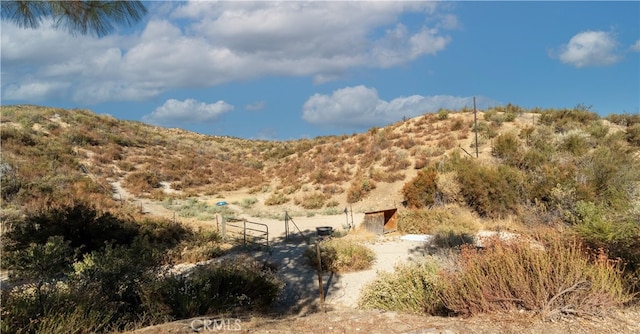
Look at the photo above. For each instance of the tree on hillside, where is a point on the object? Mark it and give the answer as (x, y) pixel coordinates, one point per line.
(77, 16)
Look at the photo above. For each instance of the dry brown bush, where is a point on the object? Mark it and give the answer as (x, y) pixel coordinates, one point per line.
(557, 280)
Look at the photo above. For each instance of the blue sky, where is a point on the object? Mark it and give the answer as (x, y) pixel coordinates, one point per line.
(290, 70)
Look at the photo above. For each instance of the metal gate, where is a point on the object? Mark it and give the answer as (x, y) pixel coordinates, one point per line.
(244, 231)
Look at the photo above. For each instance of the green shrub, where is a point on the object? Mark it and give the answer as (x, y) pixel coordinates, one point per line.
(617, 234)
(443, 114)
(575, 143)
(89, 269)
(508, 148)
(491, 192)
(412, 287)
(559, 279)
(234, 284)
(341, 255)
(103, 294)
(83, 227)
(567, 119)
(421, 190)
(248, 202)
(449, 238)
(612, 173)
(55, 310)
(598, 129)
(487, 131)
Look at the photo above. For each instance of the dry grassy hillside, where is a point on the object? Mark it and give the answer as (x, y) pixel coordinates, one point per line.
(53, 155)
(74, 185)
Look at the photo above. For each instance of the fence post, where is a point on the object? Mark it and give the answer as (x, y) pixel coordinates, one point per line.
(244, 231)
(286, 226)
(224, 228)
(319, 268)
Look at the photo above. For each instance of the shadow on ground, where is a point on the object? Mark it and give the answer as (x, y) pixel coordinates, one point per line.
(301, 292)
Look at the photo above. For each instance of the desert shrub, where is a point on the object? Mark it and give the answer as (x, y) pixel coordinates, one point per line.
(592, 223)
(559, 279)
(81, 226)
(567, 119)
(248, 202)
(341, 255)
(495, 118)
(508, 148)
(83, 137)
(612, 173)
(443, 114)
(450, 238)
(420, 163)
(233, 284)
(140, 182)
(490, 114)
(55, 310)
(632, 134)
(618, 235)
(412, 287)
(276, 198)
(14, 136)
(312, 201)
(624, 119)
(533, 159)
(359, 189)
(10, 181)
(437, 220)
(575, 143)
(332, 203)
(201, 245)
(448, 142)
(457, 124)
(490, 191)
(448, 188)
(598, 129)
(487, 131)
(102, 293)
(421, 190)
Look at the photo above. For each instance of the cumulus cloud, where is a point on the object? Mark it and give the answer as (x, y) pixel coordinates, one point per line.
(35, 91)
(636, 46)
(590, 48)
(205, 43)
(174, 112)
(361, 107)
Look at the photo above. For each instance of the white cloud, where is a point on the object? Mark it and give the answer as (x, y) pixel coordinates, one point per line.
(255, 106)
(174, 112)
(636, 46)
(35, 91)
(204, 43)
(361, 107)
(590, 48)
(398, 46)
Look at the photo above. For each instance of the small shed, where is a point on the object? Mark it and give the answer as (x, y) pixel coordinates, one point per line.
(381, 222)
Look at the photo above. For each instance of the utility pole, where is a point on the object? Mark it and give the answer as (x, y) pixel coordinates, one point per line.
(475, 122)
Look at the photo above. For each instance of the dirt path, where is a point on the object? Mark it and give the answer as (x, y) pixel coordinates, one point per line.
(298, 309)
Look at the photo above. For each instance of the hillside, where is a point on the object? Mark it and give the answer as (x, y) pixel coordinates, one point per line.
(565, 170)
(301, 175)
